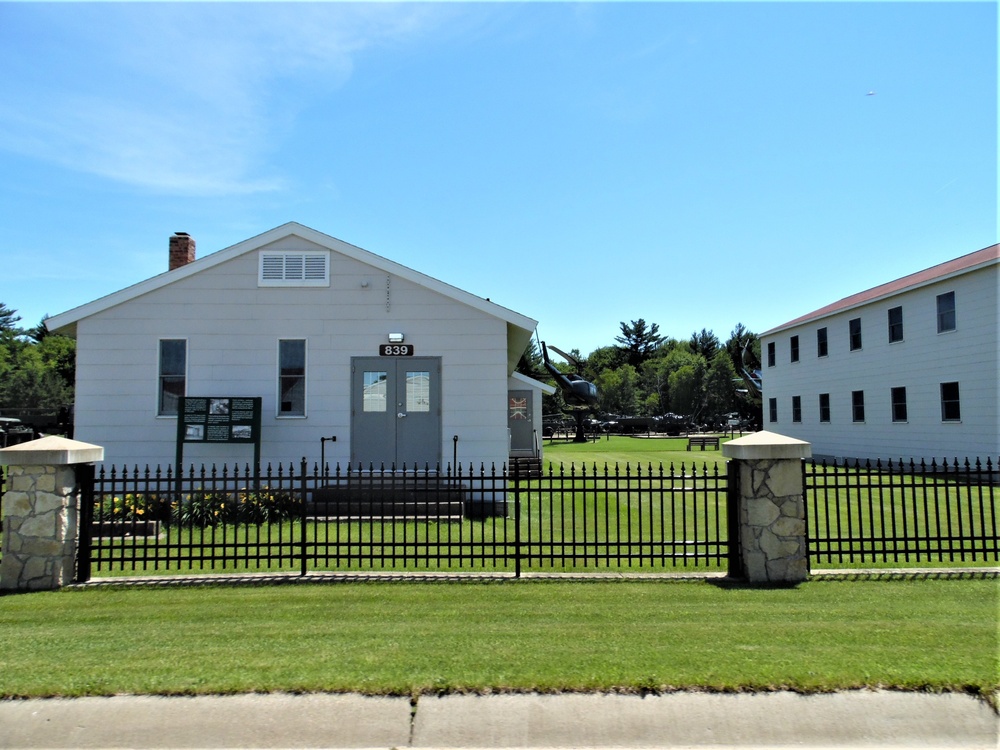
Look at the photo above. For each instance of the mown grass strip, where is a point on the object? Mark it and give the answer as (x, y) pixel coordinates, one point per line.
(384, 638)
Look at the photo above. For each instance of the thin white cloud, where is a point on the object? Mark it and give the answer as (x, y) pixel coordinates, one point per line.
(181, 98)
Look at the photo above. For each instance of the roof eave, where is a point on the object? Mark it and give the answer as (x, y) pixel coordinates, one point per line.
(66, 322)
(990, 256)
(533, 383)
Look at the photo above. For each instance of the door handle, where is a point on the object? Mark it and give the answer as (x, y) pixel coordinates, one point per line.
(401, 414)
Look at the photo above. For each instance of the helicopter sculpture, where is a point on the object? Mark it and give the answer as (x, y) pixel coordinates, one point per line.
(579, 395)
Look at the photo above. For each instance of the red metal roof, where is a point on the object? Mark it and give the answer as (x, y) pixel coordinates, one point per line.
(966, 262)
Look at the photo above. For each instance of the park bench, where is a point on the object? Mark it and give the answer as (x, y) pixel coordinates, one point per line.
(704, 441)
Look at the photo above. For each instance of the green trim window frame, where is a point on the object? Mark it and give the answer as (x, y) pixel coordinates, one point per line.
(172, 378)
(793, 345)
(898, 397)
(946, 312)
(854, 327)
(824, 407)
(858, 406)
(771, 355)
(951, 406)
(822, 347)
(291, 377)
(895, 324)
(796, 408)
(772, 410)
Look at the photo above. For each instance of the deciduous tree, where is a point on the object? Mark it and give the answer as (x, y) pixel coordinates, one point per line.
(720, 388)
(687, 392)
(36, 373)
(604, 358)
(619, 391)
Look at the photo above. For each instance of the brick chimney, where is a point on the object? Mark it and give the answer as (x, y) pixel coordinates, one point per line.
(181, 250)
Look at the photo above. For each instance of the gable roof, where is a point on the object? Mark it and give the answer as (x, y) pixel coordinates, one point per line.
(964, 264)
(532, 383)
(519, 327)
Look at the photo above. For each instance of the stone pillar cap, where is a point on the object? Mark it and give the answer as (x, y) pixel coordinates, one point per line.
(51, 450)
(765, 445)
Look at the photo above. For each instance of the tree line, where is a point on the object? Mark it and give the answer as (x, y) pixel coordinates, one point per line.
(645, 373)
(37, 368)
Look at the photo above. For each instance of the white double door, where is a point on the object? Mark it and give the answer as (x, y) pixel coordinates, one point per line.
(396, 412)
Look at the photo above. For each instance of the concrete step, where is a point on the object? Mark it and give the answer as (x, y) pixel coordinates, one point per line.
(410, 498)
(525, 466)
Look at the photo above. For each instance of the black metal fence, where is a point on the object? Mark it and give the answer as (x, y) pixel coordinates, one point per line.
(565, 519)
(900, 513)
(366, 519)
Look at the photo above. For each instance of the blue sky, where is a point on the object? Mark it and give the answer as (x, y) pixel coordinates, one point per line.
(697, 165)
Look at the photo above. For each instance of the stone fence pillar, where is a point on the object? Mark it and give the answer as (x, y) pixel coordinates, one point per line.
(39, 512)
(771, 507)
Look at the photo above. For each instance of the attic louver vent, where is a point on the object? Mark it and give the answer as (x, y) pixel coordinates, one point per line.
(294, 269)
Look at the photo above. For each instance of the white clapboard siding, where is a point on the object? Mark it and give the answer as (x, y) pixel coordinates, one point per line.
(921, 362)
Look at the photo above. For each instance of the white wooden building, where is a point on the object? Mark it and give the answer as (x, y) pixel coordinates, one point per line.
(353, 357)
(907, 370)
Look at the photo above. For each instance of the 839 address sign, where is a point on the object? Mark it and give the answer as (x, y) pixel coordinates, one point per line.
(395, 350)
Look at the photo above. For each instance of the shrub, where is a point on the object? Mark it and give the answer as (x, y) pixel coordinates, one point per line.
(201, 509)
(132, 507)
(266, 506)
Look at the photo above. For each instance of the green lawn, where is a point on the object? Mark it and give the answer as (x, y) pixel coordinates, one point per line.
(391, 638)
(611, 449)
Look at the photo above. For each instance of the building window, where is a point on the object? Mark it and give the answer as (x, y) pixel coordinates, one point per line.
(375, 382)
(291, 378)
(899, 404)
(946, 312)
(794, 344)
(858, 406)
(895, 324)
(855, 326)
(772, 410)
(173, 376)
(951, 410)
(418, 391)
(294, 269)
(796, 408)
(821, 345)
(824, 407)
(770, 354)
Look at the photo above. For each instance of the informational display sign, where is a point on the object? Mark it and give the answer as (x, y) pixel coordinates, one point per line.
(218, 419)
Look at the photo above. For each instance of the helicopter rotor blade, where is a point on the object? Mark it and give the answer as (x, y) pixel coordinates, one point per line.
(567, 357)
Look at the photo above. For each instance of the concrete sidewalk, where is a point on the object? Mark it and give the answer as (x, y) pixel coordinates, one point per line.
(857, 719)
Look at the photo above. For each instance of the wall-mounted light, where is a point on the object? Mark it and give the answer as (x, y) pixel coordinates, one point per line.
(396, 338)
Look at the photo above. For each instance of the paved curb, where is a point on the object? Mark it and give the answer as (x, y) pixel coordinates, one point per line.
(237, 579)
(856, 719)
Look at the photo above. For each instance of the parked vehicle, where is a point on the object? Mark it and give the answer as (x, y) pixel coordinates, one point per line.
(13, 432)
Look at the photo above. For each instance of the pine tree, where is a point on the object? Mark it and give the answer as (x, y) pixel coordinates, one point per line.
(639, 341)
